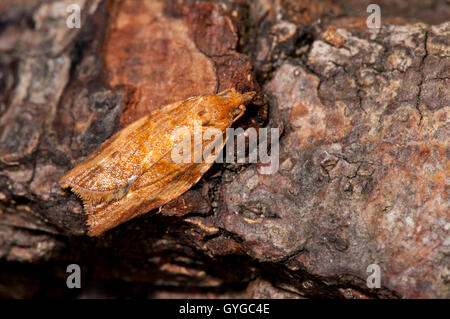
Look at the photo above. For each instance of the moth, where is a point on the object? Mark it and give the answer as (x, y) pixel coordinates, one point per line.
(134, 172)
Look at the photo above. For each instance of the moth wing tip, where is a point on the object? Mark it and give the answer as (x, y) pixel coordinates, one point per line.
(65, 181)
(93, 233)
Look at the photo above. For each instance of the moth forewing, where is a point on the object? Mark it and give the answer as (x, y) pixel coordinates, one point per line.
(134, 172)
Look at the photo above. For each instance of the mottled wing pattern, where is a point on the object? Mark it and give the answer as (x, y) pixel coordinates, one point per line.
(165, 180)
(108, 173)
(135, 171)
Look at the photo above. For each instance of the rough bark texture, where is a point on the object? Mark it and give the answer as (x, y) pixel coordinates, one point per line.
(363, 175)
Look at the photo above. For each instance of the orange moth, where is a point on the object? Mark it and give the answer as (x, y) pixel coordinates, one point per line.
(134, 171)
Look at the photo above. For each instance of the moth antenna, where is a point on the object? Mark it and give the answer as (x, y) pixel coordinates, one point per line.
(248, 96)
(242, 108)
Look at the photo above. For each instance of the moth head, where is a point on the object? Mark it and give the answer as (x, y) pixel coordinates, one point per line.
(223, 108)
